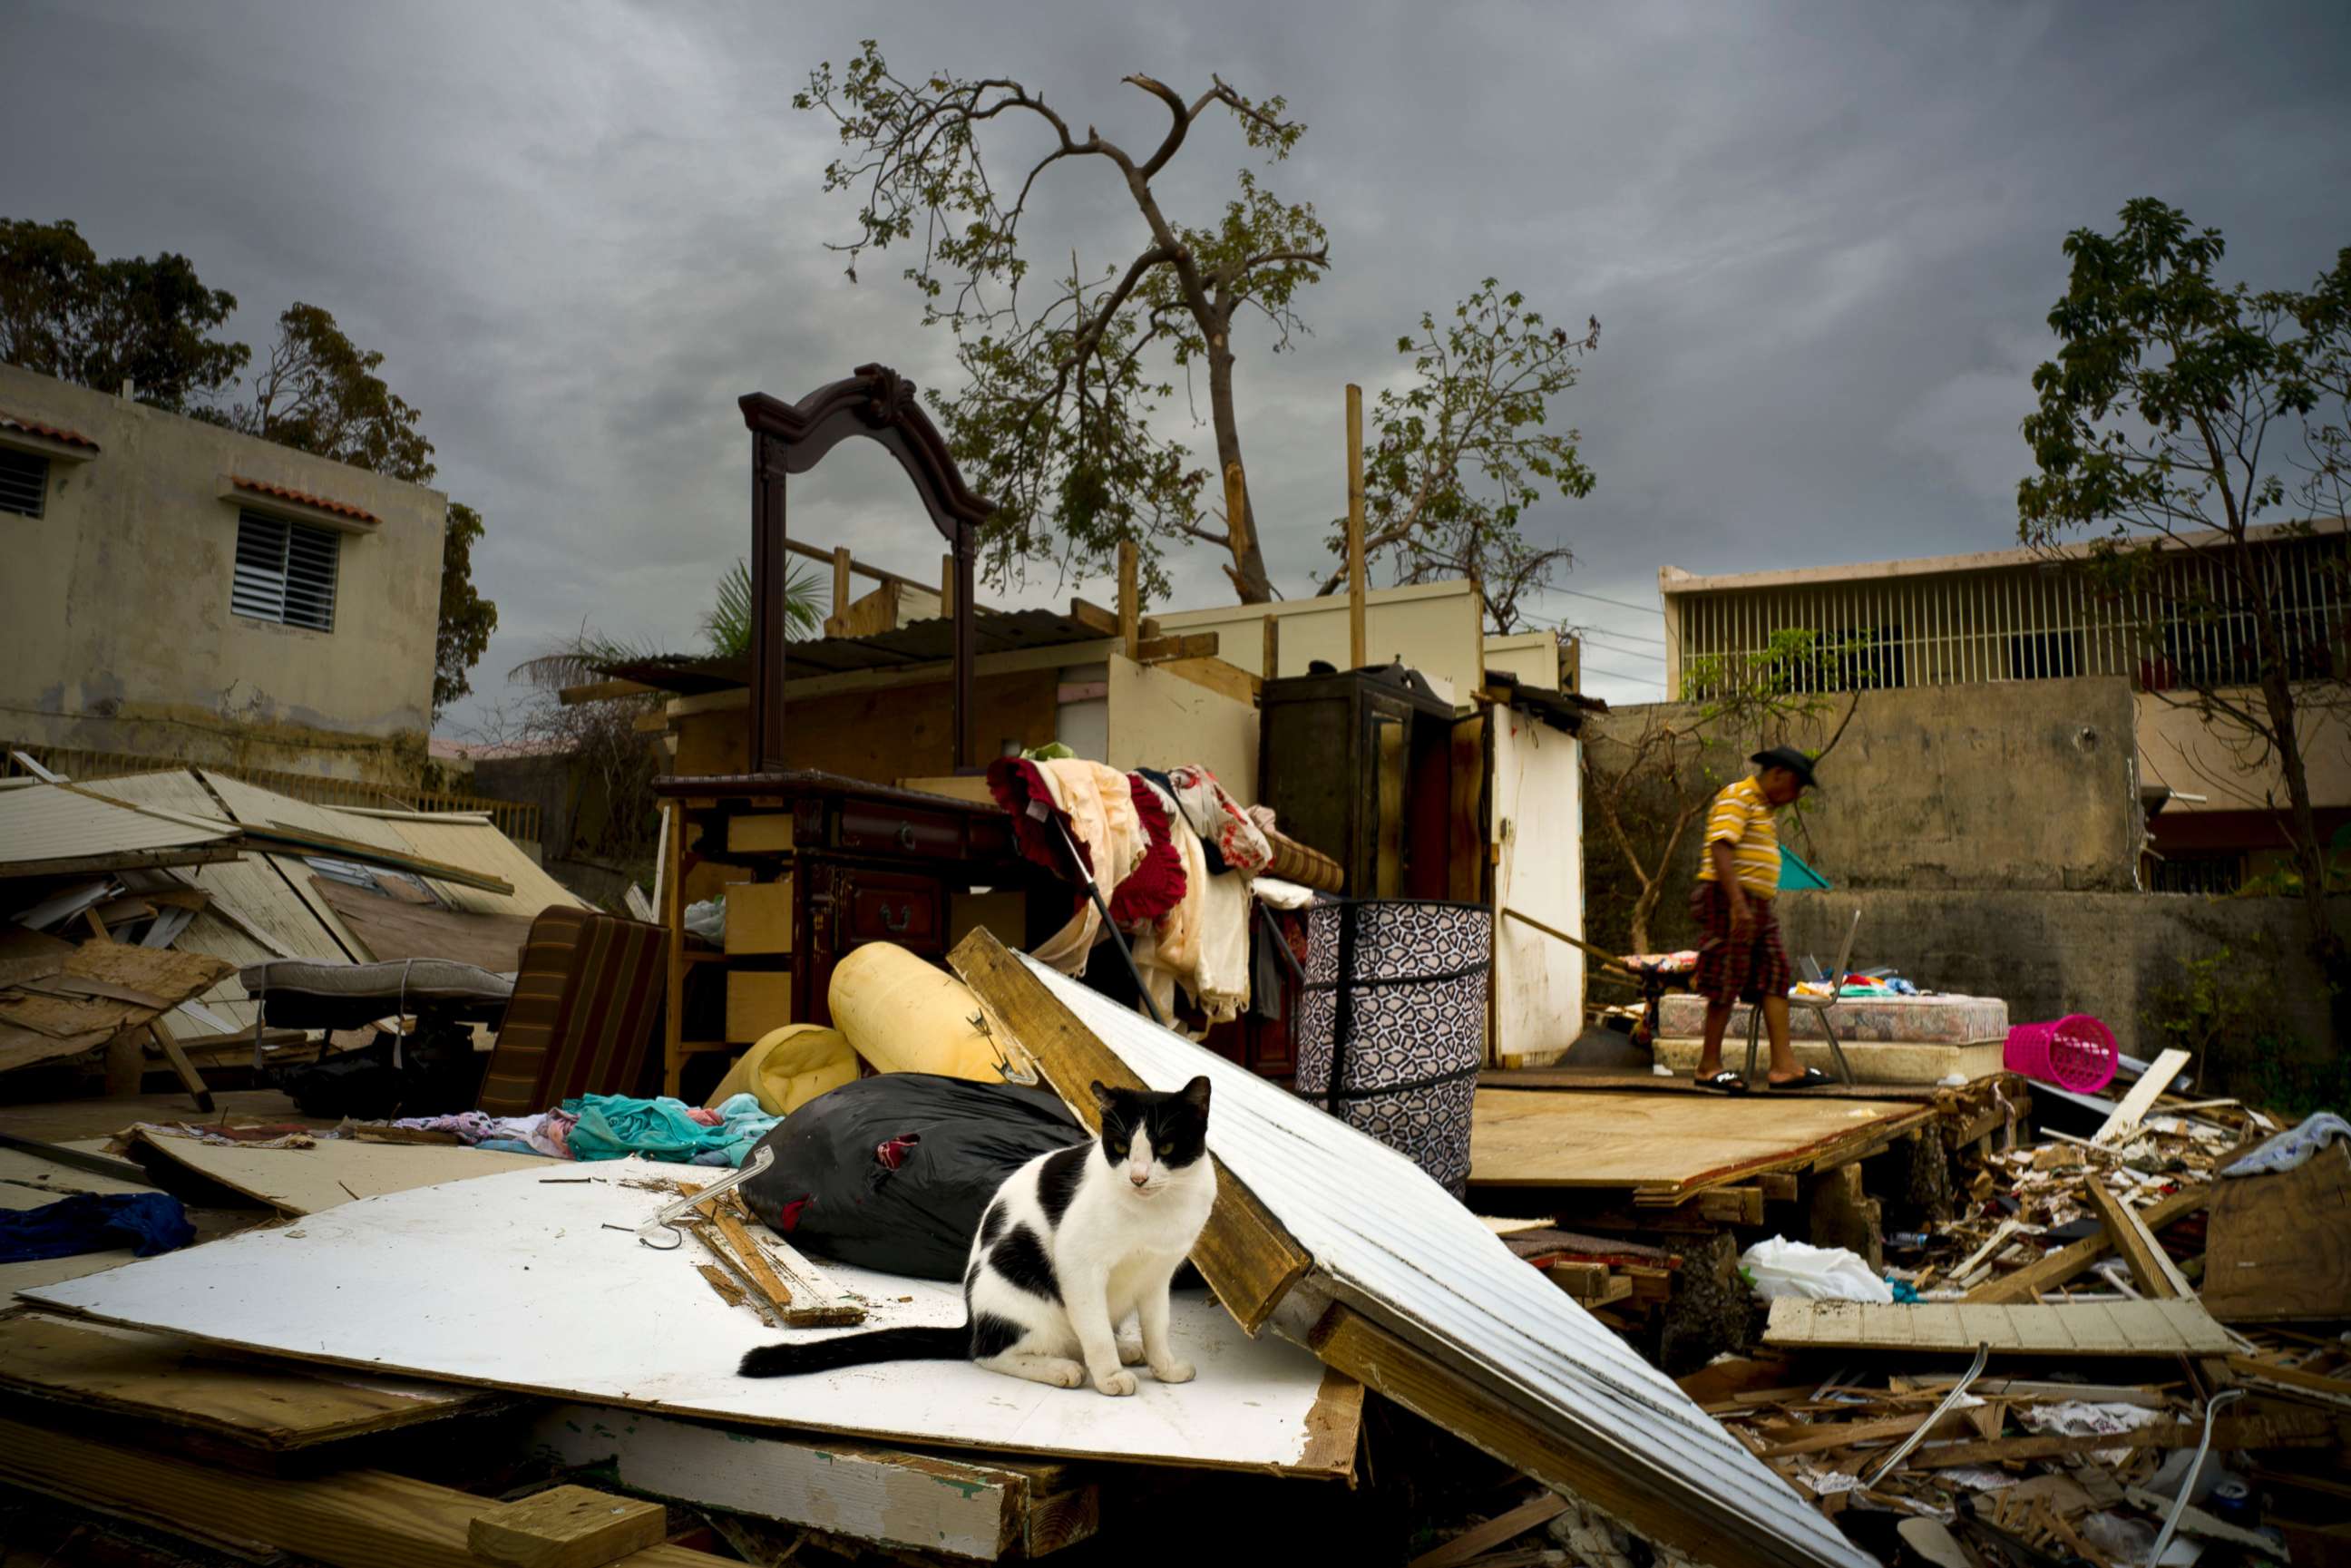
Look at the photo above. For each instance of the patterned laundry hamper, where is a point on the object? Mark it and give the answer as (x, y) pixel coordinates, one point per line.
(1392, 1026)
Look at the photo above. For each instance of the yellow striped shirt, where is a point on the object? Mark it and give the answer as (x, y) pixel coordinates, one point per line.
(1741, 818)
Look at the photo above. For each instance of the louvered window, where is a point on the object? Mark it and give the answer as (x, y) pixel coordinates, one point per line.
(286, 572)
(24, 482)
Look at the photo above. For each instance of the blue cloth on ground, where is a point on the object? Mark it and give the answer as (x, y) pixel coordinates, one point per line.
(614, 1126)
(146, 1222)
(2294, 1146)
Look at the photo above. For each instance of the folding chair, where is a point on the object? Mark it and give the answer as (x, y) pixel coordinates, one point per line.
(1820, 1004)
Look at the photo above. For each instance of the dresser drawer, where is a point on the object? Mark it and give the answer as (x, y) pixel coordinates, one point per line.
(896, 830)
(880, 907)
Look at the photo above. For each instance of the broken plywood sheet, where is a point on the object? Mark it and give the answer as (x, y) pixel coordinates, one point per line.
(2072, 1328)
(513, 1282)
(1411, 1293)
(392, 929)
(153, 1377)
(101, 989)
(333, 1171)
(1871, 1062)
(1663, 1144)
(2279, 1246)
(964, 1507)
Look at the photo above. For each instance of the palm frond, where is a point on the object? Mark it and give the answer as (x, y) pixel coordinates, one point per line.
(728, 626)
(578, 662)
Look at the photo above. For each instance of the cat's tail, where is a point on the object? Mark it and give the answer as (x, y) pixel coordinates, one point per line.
(857, 1350)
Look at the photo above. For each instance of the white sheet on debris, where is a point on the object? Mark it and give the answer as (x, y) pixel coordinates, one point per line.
(512, 1281)
(1401, 1247)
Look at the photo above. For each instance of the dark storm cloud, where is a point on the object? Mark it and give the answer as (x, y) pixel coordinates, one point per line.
(1821, 241)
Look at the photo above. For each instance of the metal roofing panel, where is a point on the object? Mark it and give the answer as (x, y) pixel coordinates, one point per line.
(49, 821)
(479, 845)
(1384, 1231)
(916, 643)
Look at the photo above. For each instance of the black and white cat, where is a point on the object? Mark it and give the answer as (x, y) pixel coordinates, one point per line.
(1074, 1244)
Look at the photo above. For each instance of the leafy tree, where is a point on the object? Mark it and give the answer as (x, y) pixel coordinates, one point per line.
(318, 391)
(466, 618)
(1458, 457)
(147, 320)
(1056, 421)
(2181, 417)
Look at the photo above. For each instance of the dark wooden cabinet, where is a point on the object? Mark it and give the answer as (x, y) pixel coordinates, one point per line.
(1358, 765)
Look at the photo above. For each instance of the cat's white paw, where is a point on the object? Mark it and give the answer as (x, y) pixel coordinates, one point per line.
(1175, 1372)
(1130, 1352)
(1067, 1374)
(1116, 1383)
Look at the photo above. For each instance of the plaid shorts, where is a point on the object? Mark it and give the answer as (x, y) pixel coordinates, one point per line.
(1731, 970)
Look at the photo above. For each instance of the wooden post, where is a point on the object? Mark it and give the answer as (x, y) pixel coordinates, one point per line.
(672, 917)
(840, 589)
(1358, 639)
(1270, 669)
(946, 584)
(1130, 608)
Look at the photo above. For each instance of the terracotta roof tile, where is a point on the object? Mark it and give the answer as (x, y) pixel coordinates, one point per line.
(47, 431)
(263, 488)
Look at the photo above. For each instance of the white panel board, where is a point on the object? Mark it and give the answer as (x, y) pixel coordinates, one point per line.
(1397, 1245)
(512, 1281)
(1538, 817)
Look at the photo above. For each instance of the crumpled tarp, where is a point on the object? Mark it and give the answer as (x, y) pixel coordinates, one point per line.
(146, 1222)
(2294, 1146)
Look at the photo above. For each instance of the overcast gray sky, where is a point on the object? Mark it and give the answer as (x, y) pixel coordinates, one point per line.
(1821, 240)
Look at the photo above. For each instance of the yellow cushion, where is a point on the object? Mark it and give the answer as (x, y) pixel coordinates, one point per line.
(789, 1067)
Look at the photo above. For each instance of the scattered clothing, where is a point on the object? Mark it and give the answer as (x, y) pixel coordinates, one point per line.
(1229, 836)
(1158, 881)
(1741, 818)
(615, 1126)
(2292, 1148)
(1282, 894)
(146, 1222)
(1220, 973)
(1052, 751)
(1731, 968)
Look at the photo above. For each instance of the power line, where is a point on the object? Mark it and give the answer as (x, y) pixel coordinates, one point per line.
(1628, 653)
(1621, 604)
(1624, 676)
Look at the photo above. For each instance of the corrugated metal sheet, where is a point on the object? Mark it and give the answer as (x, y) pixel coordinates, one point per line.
(477, 845)
(48, 822)
(916, 643)
(1392, 1238)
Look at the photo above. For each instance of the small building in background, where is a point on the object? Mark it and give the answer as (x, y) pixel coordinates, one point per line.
(176, 590)
(2211, 793)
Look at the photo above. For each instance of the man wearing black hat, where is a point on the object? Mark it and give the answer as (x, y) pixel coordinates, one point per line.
(1740, 957)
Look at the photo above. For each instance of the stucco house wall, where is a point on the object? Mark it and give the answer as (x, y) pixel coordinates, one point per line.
(115, 627)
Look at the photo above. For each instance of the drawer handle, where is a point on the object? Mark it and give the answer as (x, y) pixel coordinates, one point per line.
(905, 835)
(901, 925)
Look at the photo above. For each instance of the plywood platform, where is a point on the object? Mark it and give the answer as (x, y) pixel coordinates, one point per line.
(1667, 1145)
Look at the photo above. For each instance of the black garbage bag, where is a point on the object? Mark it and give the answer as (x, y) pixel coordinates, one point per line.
(892, 1173)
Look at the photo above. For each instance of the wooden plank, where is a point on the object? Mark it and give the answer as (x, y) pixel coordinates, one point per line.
(2071, 1261)
(1359, 581)
(133, 860)
(2151, 1265)
(182, 1068)
(1666, 1145)
(154, 1377)
(1466, 810)
(332, 1173)
(1214, 674)
(1189, 646)
(2281, 1429)
(1246, 1255)
(892, 1498)
(1503, 1527)
(355, 1519)
(2278, 1247)
(2135, 1105)
(2076, 1328)
(567, 1527)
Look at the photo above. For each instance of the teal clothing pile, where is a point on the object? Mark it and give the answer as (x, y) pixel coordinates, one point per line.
(615, 1126)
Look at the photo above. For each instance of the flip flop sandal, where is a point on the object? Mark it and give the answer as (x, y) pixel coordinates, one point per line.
(1813, 1078)
(1723, 1082)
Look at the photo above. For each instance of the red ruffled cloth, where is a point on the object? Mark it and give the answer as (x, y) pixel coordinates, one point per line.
(1156, 884)
(1015, 782)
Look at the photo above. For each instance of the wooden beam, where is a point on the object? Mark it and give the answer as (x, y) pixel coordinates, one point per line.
(1249, 1258)
(567, 1527)
(301, 842)
(353, 1519)
(182, 1068)
(1479, 1539)
(128, 860)
(1358, 637)
(2141, 1099)
(1130, 598)
(2151, 1265)
(2070, 1262)
(602, 691)
(2282, 1428)
(1269, 662)
(1225, 680)
(1160, 649)
(842, 593)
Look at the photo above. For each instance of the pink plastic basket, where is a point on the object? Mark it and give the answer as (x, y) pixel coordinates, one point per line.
(2076, 1052)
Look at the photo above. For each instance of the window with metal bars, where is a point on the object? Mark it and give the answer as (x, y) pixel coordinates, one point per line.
(286, 572)
(24, 482)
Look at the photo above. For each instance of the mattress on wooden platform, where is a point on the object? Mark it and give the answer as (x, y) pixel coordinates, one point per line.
(1666, 1144)
(1873, 1061)
(1904, 1020)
